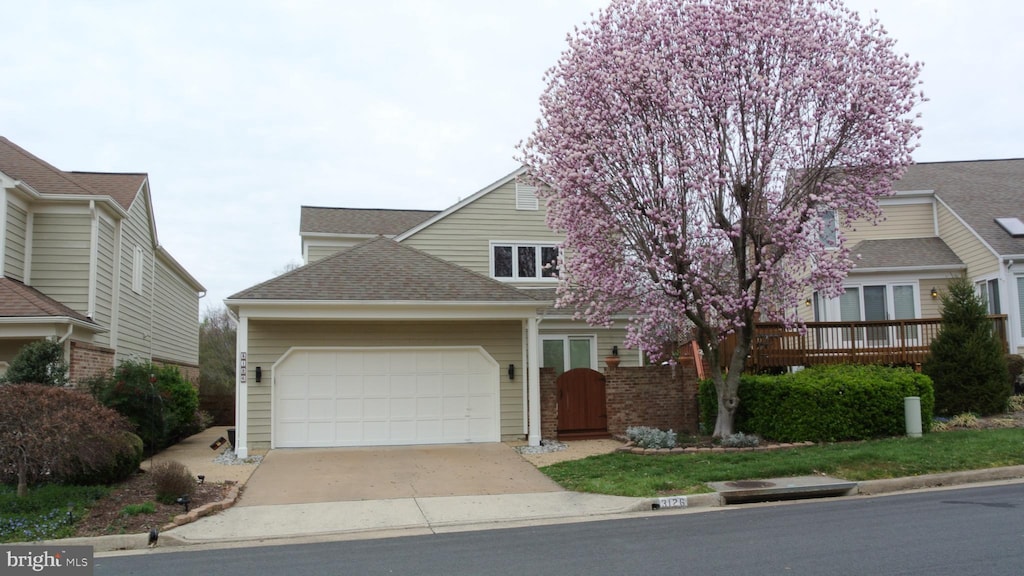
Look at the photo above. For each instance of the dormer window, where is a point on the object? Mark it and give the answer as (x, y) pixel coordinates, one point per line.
(524, 261)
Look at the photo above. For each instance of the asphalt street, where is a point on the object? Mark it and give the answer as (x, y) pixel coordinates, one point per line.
(938, 532)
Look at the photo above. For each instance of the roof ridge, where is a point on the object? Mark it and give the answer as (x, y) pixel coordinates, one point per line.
(32, 157)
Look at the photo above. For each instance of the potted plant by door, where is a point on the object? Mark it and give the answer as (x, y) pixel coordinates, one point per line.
(612, 360)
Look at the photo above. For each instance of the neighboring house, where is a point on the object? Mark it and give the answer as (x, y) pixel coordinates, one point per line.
(409, 327)
(943, 221)
(82, 264)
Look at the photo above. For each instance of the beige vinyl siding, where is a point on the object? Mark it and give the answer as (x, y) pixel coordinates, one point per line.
(463, 237)
(175, 318)
(901, 221)
(60, 257)
(269, 340)
(979, 259)
(135, 329)
(316, 252)
(106, 253)
(14, 259)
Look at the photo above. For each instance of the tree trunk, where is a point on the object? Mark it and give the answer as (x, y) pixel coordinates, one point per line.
(22, 478)
(727, 386)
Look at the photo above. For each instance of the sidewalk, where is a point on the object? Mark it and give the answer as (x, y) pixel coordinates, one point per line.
(426, 515)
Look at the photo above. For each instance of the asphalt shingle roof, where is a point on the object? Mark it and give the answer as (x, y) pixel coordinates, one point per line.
(383, 270)
(360, 220)
(20, 301)
(979, 192)
(904, 253)
(45, 178)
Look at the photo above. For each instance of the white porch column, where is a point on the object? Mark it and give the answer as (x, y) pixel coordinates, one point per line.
(533, 359)
(242, 388)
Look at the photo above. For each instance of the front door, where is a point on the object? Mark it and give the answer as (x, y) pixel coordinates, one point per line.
(581, 403)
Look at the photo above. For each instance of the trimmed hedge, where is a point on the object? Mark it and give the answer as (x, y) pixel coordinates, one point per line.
(825, 403)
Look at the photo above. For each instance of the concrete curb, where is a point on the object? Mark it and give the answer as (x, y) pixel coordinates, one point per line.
(710, 500)
(869, 487)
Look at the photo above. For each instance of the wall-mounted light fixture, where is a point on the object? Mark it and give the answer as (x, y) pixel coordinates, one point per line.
(935, 293)
(511, 371)
(259, 374)
(807, 302)
(615, 350)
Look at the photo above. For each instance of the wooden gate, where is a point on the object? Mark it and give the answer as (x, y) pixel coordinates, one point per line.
(581, 404)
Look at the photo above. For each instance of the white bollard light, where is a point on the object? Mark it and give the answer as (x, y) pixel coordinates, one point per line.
(912, 413)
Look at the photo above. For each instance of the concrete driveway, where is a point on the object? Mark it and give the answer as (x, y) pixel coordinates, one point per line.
(307, 475)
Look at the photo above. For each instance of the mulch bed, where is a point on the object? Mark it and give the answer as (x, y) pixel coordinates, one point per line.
(107, 515)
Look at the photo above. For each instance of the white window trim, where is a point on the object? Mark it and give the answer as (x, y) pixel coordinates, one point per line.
(833, 242)
(830, 306)
(984, 281)
(565, 338)
(515, 245)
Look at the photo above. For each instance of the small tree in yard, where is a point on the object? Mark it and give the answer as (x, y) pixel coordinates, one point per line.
(967, 363)
(696, 151)
(50, 433)
(40, 362)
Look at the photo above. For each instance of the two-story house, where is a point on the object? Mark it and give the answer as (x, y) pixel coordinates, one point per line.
(945, 219)
(409, 327)
(82, 265)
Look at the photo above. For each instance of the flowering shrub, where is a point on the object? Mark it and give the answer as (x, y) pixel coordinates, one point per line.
(647, 437)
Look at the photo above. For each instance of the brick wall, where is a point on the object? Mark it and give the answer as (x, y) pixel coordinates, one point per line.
(88, 361)
(658, 396)
(189, 371)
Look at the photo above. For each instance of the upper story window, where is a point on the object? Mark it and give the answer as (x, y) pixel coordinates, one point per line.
(829, 228)
(137, 264)
(524, 261)
(526, 197)
(989, 292)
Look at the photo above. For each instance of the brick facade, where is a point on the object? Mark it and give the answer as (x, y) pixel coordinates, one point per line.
(658, 396)
(88, 361)
(189, 371)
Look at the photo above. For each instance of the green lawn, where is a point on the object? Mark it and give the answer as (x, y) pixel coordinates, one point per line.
(645, 476)
(43, 514)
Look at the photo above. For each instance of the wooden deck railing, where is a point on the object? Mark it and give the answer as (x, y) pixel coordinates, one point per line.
(890, 342)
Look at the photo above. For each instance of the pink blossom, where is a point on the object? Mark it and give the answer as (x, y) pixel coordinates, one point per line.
(690, 148)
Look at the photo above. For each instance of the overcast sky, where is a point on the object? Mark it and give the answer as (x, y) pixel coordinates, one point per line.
(242, 111)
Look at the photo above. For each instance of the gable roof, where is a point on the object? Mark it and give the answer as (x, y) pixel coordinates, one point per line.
(903, 253)
(20, 301)
(45, 178)
(383, 270)
(363, 221)
(978, 192)
(460, 205)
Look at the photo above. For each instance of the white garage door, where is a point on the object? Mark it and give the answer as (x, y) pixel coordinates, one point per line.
(381, 396)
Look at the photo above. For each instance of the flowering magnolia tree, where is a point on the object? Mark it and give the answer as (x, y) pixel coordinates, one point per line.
(697, 153)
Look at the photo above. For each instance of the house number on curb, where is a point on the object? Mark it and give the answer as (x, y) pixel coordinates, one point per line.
(672, 502)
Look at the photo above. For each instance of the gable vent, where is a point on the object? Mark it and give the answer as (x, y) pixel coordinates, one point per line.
(526, 197)
(1013, 226)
